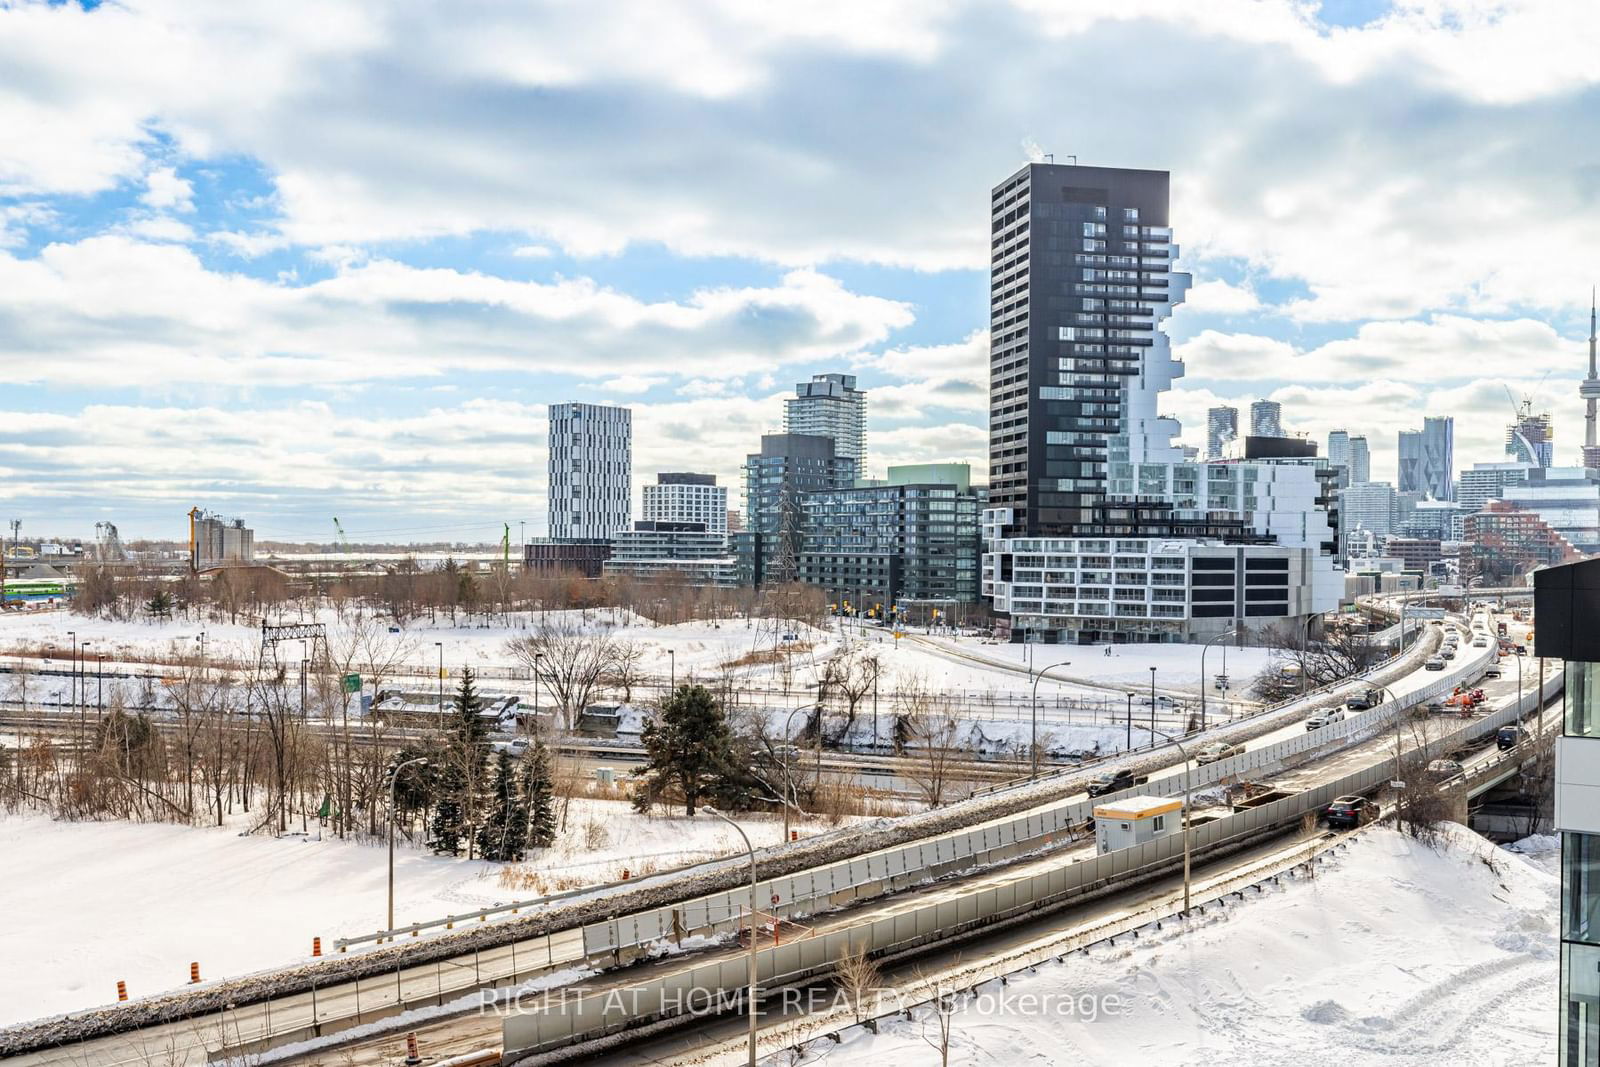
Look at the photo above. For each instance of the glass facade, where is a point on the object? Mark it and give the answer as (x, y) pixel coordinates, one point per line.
(1583, 700)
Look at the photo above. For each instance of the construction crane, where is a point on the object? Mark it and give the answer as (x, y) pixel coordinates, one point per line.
(341, 541)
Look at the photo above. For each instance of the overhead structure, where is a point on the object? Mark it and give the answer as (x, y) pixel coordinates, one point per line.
(1589, 390)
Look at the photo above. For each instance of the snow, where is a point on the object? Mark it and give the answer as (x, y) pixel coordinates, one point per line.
(1394, 953)
(238, 904)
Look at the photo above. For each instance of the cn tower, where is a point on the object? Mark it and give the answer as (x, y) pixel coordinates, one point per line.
(1590, 391)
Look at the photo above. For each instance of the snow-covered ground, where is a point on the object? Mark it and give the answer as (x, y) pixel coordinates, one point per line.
(1393, 954)
(89, 903)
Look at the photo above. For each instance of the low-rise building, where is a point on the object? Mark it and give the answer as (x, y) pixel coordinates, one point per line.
(651, 549)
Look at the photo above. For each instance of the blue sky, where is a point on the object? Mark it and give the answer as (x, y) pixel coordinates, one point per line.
(291, 265)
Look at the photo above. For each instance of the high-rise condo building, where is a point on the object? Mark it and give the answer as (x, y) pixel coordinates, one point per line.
(1427, 457)
(591, 471)
(1360, 460)
(679, 498)
(830, 405)
(1222, 426)
(1266, 419)
(1097, 527)
(1339, 448)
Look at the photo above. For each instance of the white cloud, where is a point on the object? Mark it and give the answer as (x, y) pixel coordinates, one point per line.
(129, 313)
(1217, 297)
(630, 383)
(165, 191)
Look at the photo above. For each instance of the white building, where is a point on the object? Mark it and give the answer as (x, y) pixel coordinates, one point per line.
(1368, 506)
(680, 497)
(830, 405)
(591, 471)
(1566, 498)
(1488, 481)
(1360, 460)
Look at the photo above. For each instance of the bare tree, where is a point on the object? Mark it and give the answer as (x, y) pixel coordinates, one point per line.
(571, 662)
(626, 669)
(928, 724)
(857, 976)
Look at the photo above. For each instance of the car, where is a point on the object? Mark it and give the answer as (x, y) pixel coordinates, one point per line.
(1444, 768)
(1448, 652)
(1508, 737)
(1365, 700)
(1480, 642)
(1217, 750)
(1325, 717)
(1492, 672)
(1434, 664)
(1349, 812)
(514, 748)
(1113, 781)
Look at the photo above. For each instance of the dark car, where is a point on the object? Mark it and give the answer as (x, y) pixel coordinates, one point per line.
(1365, 700)
(1508, 737)
(1345, 813)
(1112, 781)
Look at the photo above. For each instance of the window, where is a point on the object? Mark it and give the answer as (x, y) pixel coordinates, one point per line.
(1159, 823)
(1583, 700)
(1580, 887)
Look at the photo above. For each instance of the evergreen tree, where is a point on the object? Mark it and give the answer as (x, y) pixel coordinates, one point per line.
(690, 747)
(503, 834)
(538, 790)
(460, 780)
(159, 606)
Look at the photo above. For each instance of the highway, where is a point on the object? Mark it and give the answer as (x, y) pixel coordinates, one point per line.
(413, 985)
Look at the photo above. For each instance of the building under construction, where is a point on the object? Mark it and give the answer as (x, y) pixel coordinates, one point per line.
(218, 542)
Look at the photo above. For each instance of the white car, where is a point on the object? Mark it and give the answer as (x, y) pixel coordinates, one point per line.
(1325, 718)
(1213, 751)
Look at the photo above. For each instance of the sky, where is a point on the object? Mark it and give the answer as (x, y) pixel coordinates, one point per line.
(291, 262)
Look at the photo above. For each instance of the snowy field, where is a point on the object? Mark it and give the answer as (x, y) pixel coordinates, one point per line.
(1393, 954)
(974, 667)
(138, 902)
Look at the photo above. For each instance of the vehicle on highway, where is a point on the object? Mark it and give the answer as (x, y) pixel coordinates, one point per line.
(1434, 664)
(1444, 768)
(1365, 700)
(514, 748)
(1480, 642)
(1111, 781)
(1326, 717)
(1349, 812)
(1508, 737)
(1492, 672)
(1217, 750)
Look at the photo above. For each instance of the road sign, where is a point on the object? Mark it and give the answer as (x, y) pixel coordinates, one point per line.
(352, 683)
(1424, 613)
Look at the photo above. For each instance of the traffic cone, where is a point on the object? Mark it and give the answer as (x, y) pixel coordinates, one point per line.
(194, 974)
(316, 946)
(122, 991)
(413, 1057)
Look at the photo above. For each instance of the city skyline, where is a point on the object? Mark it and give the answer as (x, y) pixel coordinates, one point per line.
(249, 316)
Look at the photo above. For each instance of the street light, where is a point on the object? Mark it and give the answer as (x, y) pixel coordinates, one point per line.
(1204, 649)
(100, 682)
(1128, 744)
(750, 849)
(394, 780)
(440, 646)
(72, 670)
(1152, 700)
(672, 669)
(1186, 795)
(1033, 747)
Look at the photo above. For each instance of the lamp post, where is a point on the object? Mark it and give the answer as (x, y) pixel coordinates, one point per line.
(440, 646)
(748, 848)
(394, 780)
(672, 671)
(72, 670)
(1127, 745)
(538, 662)
(1033, 747)
(1203, 650)
(1186, 795)
(202, 650)
(1152, 700)
(1306, 652)
(83, 685)
(100, 683)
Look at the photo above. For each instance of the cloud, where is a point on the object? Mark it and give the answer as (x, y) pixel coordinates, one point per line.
(129, 313)
(630, 383)
(1217, 297)
(165, 191)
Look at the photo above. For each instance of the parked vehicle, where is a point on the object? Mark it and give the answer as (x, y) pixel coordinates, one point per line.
(1217, 750)
(1508, 737)
(1444, 768)
(1434, 664)
(1492, 672)
(1325, 718)
(1349, 812)
(1113, 781)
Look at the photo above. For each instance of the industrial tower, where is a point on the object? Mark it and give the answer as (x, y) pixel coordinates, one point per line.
(1589, 389)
